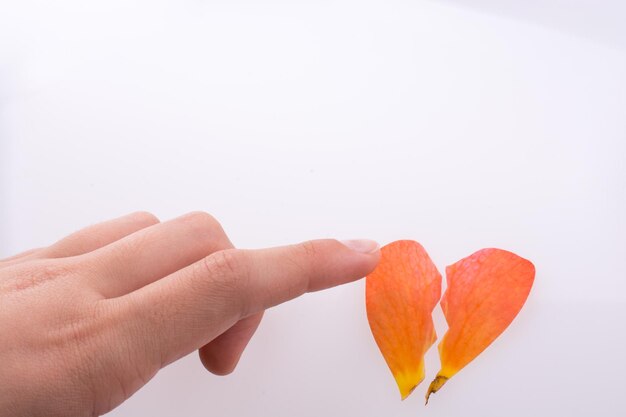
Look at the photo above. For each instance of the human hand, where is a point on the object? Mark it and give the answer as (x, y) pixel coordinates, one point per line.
(88, 321)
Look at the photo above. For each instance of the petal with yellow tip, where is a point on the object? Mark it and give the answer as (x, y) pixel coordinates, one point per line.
(485, 292)
(401, 294)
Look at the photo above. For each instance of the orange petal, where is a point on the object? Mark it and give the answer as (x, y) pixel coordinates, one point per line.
(401, 294)
(485, 292)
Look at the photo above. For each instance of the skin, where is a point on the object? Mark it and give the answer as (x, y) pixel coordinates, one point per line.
(88, 321)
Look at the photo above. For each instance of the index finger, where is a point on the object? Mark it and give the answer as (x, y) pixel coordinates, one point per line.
(194, 305)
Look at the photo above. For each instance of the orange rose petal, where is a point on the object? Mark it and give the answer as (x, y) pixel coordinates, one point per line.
(401, 294)
(485, 292)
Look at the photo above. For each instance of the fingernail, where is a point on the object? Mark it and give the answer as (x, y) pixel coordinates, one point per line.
(362, 245)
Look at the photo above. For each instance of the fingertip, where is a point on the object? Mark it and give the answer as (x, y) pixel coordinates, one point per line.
(373, 260)
(215, 365)
(368, 251)
(366, 246)
(334, 262)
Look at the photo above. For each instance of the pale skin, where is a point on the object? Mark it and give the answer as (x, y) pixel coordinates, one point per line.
(89, 320)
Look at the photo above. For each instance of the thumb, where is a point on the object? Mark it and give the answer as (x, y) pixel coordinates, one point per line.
(222, 354)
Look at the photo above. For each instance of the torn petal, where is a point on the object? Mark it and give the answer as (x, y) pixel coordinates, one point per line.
(485, 292)
(401, 294)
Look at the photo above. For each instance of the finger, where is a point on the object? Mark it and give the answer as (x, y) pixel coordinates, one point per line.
(194, 305)
(98, 235)
(155, 252)
(88, 239)
(19, 257)
(221, 355)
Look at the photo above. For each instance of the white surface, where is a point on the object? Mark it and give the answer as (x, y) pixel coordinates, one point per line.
(500, 125)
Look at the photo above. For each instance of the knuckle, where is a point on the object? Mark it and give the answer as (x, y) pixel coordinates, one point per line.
(202, 221)
(309, 250)
(227, 275)
(222, 264)
(39, 273)
(207, 229)
(79, 328)
(95, 356)
(20, 256)
(305, 258)
(132, 246)
(145, 217)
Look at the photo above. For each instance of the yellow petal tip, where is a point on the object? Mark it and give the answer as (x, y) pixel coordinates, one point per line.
(405, 393)
(409, 380)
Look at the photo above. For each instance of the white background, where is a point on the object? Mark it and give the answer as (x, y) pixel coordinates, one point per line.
(461, 124)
